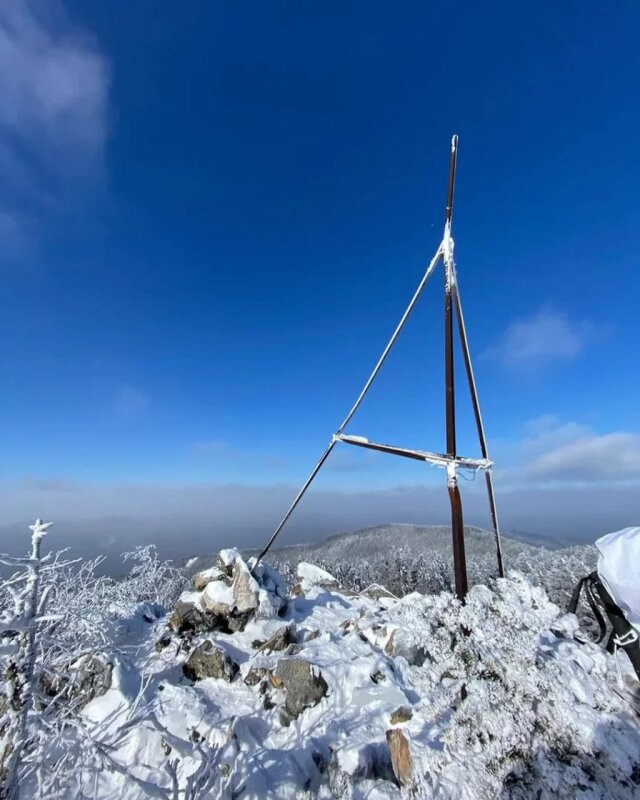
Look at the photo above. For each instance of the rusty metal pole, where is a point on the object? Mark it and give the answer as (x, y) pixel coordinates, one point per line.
(479, 425)
(457, 523)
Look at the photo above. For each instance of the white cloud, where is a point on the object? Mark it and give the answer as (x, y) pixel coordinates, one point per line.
(130, 402)
(54, 84)
(544, 337)
(612, 456)
(548, 431)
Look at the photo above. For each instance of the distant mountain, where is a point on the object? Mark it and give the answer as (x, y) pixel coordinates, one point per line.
(419, 540)
(406, 558)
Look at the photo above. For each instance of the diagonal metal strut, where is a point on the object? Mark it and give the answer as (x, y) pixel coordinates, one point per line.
(394, 336)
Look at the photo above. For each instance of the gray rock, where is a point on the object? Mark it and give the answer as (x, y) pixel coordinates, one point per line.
(281, 640)
(217, 598)
(188, 618)
(209, 660)
(255, 675)
(401, 714)
(93, 678)
(303, 683)
(236, 622)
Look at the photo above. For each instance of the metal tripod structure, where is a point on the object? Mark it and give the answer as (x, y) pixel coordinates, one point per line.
(450, 460)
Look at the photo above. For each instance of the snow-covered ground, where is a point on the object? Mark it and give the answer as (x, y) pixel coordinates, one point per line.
(492, 699)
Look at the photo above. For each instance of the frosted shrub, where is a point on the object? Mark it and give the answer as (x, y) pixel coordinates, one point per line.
(149, 580)
(59, 625)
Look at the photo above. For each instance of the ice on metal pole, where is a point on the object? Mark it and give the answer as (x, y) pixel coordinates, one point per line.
(457, 522)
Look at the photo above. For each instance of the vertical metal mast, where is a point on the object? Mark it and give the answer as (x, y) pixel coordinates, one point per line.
(457, 524)
(451, 460)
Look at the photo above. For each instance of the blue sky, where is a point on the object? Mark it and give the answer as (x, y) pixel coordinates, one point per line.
(213, 214)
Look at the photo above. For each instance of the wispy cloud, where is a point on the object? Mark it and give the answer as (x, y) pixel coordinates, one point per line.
(130, 402)
(611, 456)
(545, 337)
(570, 452)
(54, 83)
(549, 431)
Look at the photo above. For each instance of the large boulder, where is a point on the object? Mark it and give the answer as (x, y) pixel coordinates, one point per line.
(209, 660)
(217, 598)
(303, 683)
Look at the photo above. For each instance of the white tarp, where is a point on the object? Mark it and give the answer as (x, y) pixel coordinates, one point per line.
(619, 568)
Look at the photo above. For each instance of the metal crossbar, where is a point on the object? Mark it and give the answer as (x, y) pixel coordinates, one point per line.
(439, 459)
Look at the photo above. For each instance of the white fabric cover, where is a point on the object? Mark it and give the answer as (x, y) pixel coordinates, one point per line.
(619, 568)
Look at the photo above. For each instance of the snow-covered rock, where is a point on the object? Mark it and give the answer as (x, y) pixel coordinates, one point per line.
(227, 596)
(205, 576)
(244, 587)
(312, 581)
(218, 598)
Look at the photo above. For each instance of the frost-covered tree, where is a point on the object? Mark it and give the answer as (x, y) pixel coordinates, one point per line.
(22, 613)
(62, 627)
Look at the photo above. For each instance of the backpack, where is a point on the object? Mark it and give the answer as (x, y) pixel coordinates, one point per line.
(614, 588)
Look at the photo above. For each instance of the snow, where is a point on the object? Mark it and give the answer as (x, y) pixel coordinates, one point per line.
(504, 701)
(619, 568)
(539, 715)
(229, 556)
(218, 592)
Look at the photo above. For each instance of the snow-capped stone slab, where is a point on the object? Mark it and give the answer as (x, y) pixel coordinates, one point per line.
(244, 587)
(218, 598)
(227, 558)
(205, 576)
(313, 580)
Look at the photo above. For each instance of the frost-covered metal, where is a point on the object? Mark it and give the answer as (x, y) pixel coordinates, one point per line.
(450, 460)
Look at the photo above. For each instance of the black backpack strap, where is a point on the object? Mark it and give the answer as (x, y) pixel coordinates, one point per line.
(623, 634)
(587, 583)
